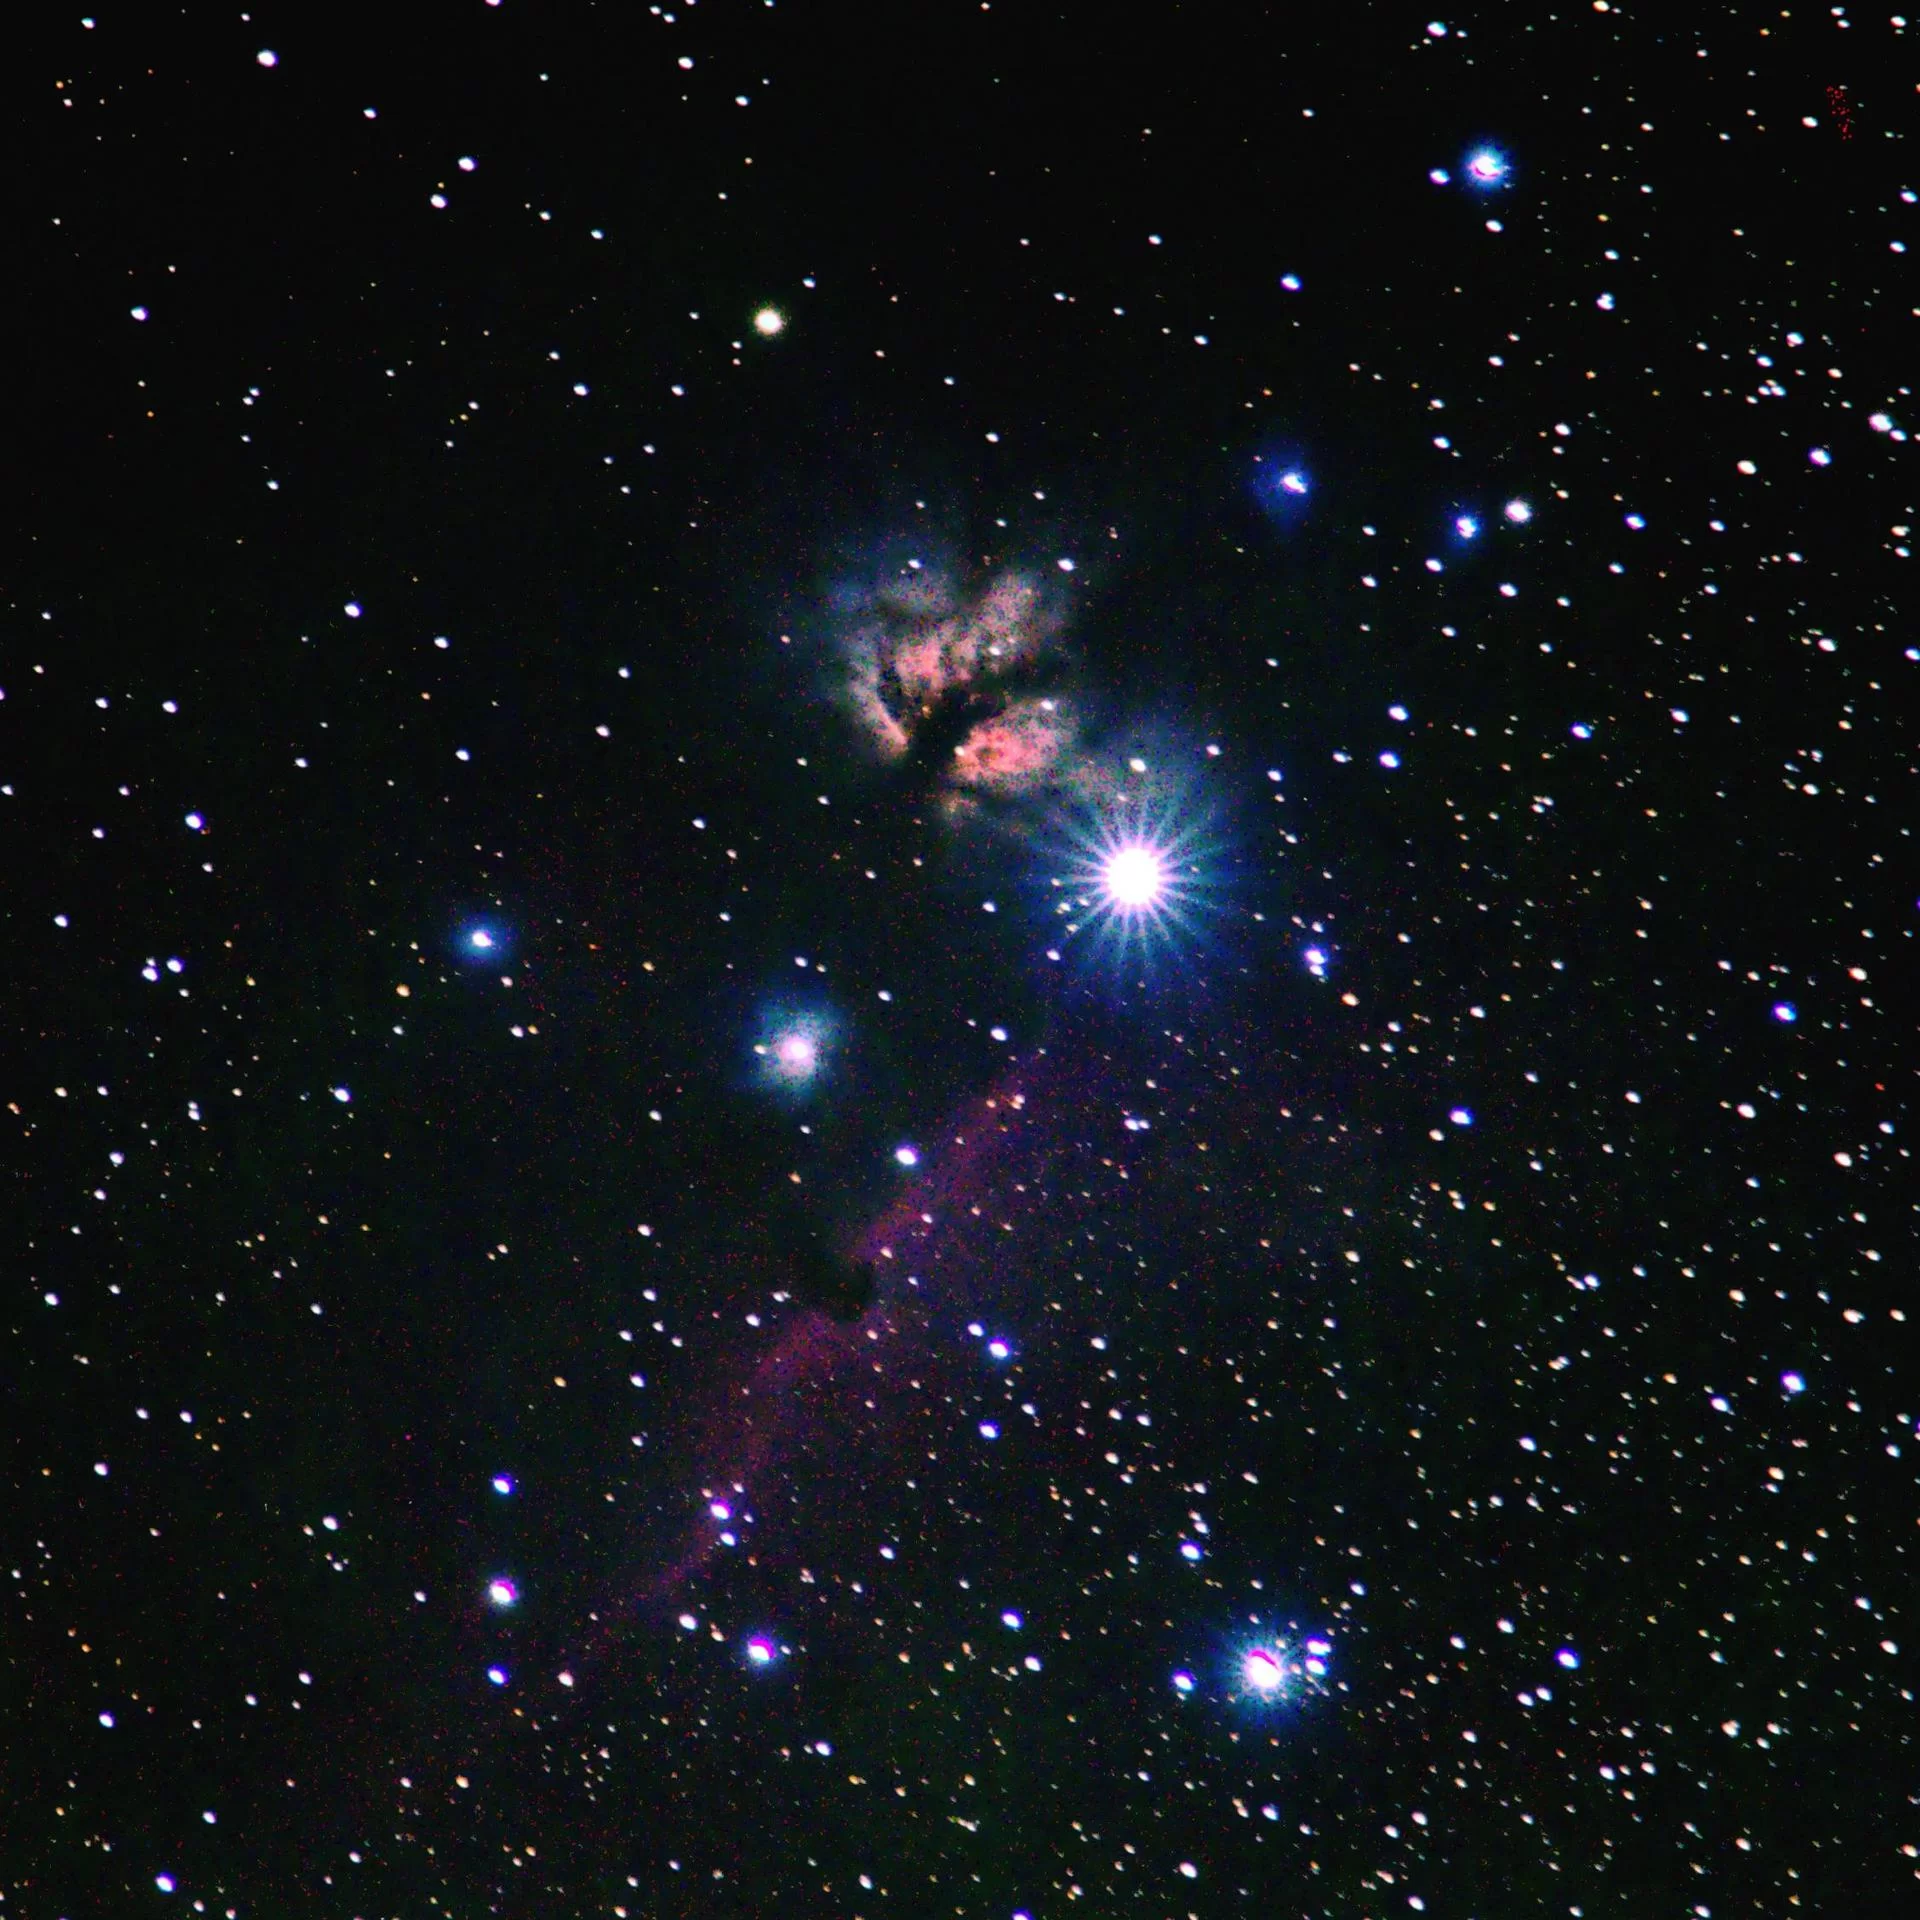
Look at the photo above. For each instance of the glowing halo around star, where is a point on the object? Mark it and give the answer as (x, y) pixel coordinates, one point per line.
(483, 942)
(1135, 887)
(1282, 484)
(1488, 166)
(796, 1055)
(1133, 883)
(1134, 877)
(791, 1051)
(1280, 1671)
(1263, 1671)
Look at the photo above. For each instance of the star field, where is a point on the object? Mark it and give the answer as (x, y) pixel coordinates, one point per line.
(955, 967)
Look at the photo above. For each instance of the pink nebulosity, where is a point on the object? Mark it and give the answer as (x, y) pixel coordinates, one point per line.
(817, 1368)
(932, 646)
(1016, 748)
(743, 1432)
(984, 1130)
(822, 1390)
(1011, 624)
(924, 653)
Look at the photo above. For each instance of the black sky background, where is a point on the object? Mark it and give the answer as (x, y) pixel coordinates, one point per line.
(467, 1222)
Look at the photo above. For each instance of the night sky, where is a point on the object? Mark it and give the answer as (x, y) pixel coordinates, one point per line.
(949, 957)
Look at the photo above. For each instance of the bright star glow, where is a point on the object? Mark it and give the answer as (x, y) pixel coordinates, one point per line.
(793, 1047)
(795, 1055)
(1133, 876)
(1461, 1117)
(760, 1650)
(1183, 1683)
(502, 1483)
(906, 1156)
(1280, 483)
(480, 940)
(1263, 1671)
(1466, 526)
(1792, 1383)
(498, 1675)
(502, 1592)
(1519, 512)
(1488, 166)
(1567, 1658)
(1786, 1012)
(769, 321)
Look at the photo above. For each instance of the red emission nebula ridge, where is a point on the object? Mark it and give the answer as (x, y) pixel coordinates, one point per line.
(819, 1387)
